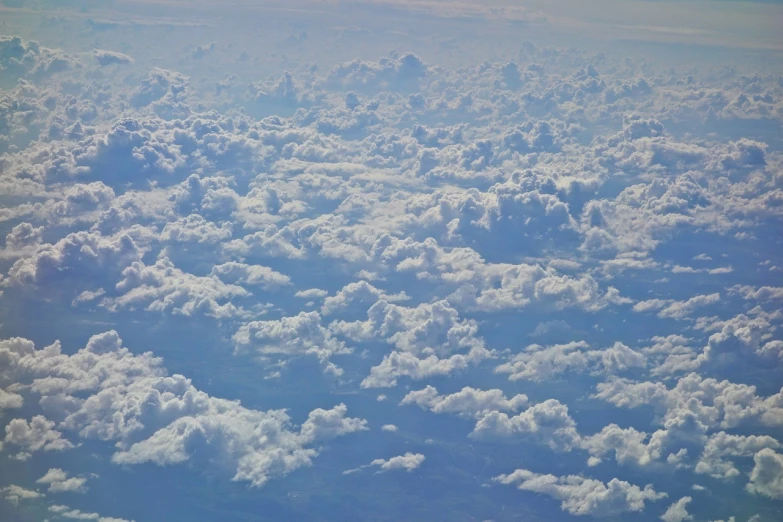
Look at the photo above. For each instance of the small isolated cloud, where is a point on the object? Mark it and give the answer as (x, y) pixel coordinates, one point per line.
(468, 402)
(389, 427)
(59, 482)
(584, 496)
(408, 462)
(677, 512)
(76, 514)
(105, 58)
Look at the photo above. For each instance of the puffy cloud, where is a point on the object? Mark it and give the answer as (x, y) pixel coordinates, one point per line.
(163, 287)
(540, 363)
(677, 512)
(38, 434)
(104, 392)
(106, 58)
(682, 309)
(196, 229)
(425, 338)
(10, 400)
(766, 478)
(468, 402)
(252, 275)
(14, 494)
(327, 424)
(292, 336)
(584, 496)
(59, 482)
(547, 422)
(408, 462)
(721, 445)
(359, 292)
(395, 72)
(76, 514)
(22, 237)
(77, 256)
(156, 85)
(715, 403)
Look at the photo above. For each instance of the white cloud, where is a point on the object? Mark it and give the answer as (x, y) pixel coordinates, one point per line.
(37, 434)
(293, 336)
(76, 514)
(584, 496)
(59, 482)
(469, 402)
(103, 382)
(677, 512)
(547, 422)
(162, 287)
(425, 339)
(541, 363)
(408, 462)
(14, 494)
(766, 478)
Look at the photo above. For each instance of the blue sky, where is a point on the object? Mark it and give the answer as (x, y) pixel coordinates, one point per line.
(391, 261)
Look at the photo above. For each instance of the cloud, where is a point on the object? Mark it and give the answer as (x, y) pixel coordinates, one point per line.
(408, 462)
(292, 336)
(584, 496)
(469, 402)
(14, 494)
(79, 256)
(766, 478)
(37, 434)
(540, 363)
(360, 292)
(425, 338)
(677, 512)
(59, 482)
(163, 287)
(547, 423)
(10, 400)
(399, 222)
(167, 420)
(106, 58)
(714, 461)
(716, 403)
(76, 514)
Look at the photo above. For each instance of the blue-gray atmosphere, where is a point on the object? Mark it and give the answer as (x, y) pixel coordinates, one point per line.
(391, 260)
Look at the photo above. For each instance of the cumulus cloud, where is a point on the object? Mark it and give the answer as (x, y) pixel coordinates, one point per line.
(547, 422)
(400, 222)
(166, 418)
(469, 402)
(58, 481)
(425, 338)
(69, 513)
(298, 335)
(408, 462)
(14, 494)
(539, 363)
(584, 496)
(37, 434)
(766, 478)
(105, 58)
(677, 512)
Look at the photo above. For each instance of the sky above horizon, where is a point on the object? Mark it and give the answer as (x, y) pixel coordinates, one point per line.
(391, 260)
